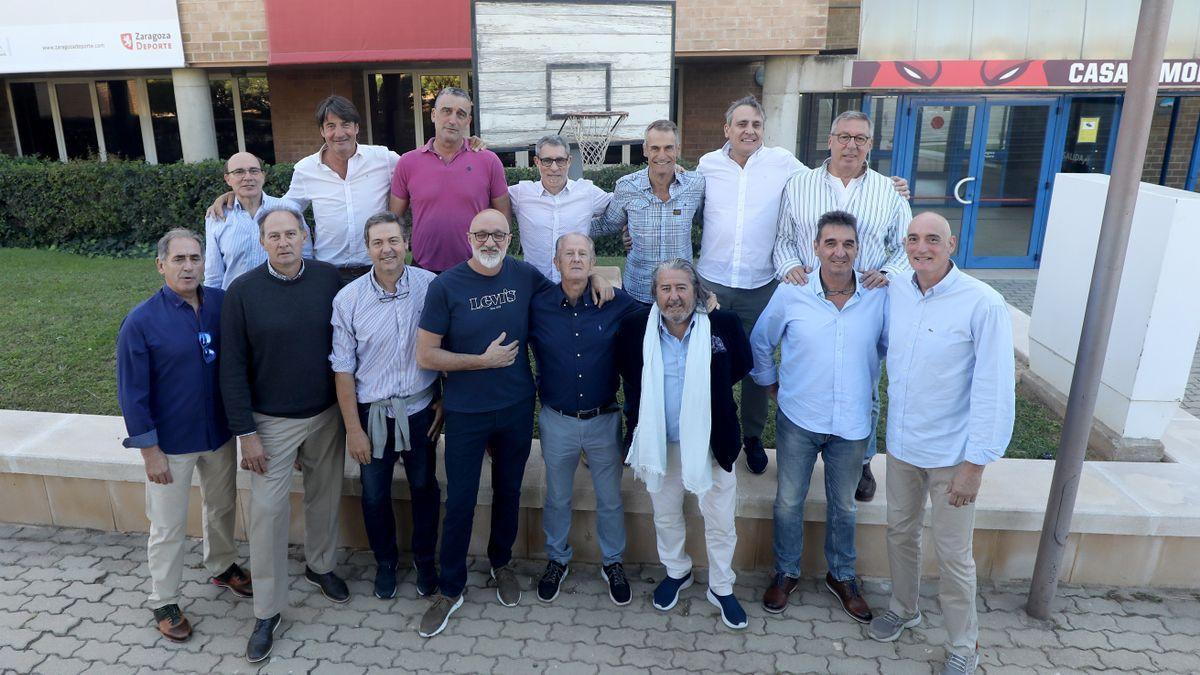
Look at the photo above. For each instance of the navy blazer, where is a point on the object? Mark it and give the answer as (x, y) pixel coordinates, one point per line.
(731, 361)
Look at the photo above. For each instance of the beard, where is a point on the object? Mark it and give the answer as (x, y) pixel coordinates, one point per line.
(489, 260)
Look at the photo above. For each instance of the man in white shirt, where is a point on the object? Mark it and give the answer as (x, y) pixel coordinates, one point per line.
(833, 337)
(951, 379)
(555, 205)
(845, 183)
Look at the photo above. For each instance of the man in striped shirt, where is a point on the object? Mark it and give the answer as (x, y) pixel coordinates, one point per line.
(231, 242)
(845, 183)
(387, 401)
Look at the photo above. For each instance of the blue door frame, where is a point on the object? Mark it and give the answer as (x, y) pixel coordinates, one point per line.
(905, 137)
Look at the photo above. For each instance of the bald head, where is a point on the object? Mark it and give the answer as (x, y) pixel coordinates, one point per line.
(929, 221)
(243, 174)
(489, 219)
(929, 245)
(488, 238)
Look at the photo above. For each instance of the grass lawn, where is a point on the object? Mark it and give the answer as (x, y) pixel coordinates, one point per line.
(59, 315)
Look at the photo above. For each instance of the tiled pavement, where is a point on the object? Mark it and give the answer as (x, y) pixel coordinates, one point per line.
(1019, 294)
(71, 601)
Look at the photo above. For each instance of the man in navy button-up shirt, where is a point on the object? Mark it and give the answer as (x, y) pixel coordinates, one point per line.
(167, 354)
(574, 343)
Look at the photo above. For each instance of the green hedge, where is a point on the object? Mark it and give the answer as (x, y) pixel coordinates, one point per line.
(120, 208)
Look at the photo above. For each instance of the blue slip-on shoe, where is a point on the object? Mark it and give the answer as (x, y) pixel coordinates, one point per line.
(262, 638)
(667, 593)
(731, 610)
(385, 581)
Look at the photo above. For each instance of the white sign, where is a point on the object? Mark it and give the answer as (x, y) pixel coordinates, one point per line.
(129, 34)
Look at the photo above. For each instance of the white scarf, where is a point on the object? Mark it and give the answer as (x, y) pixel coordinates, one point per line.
(648, 453)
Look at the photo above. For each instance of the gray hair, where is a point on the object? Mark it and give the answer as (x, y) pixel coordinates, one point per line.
(381, 218)
(702, 292)
(453, 91)
(662, 125)
(551, 139)
(164, 242)
(839, 219)
(749, 101)
(281, 207)
(339, 106)
(853, 115)
(591, 244)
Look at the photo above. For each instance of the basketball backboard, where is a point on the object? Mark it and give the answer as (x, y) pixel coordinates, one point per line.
(536, 61)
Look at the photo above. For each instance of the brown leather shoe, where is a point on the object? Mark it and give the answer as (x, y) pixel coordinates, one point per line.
(172, 623)
(848, 593)
(236, 580)
(775, 600)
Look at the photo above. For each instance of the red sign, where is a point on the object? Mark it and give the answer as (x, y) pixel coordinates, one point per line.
(127, 40)
(1019, 74)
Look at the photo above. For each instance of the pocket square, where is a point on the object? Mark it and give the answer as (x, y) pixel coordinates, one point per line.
(717, 346)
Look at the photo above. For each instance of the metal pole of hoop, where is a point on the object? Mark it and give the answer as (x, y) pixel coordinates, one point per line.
(591, 133)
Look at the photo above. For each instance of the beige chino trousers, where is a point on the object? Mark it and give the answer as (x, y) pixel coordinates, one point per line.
(953, 530)
(167, 511)
(319, 443)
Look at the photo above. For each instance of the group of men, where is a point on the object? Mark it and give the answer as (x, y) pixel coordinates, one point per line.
(307, 351)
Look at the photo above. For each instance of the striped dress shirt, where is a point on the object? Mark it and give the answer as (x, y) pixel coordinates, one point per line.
(375, 338)
(232, 247)
(882, 214)
(660, 230)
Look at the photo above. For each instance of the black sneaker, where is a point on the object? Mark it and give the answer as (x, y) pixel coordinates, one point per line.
(618, 585)
(261, 639)
(385, 581)
(756, 457)
(427, 581)
(331, 585)
(551, 581)
(866, 485)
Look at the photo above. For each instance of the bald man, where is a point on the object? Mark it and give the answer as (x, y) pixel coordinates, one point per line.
(951, 377)
(474, 329)
(231, 241)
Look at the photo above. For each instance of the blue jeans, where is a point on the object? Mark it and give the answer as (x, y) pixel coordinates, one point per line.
(509, 431)
(795, 456)
(562, 440)
(420, 467)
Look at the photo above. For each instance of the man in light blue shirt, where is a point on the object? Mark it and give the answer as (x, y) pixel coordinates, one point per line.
(833, 340)
(951, 405)
(231, 242)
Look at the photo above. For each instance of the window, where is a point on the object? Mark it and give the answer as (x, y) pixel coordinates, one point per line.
(401, 103)
(164, 120)
(35, 123)
(883, 117)
(224, 116)
(119, 119)
(816, 115)
(78, 124)
(242, 116)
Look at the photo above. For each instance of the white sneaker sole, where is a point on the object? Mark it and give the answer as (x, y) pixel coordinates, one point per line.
(911, 623)
(446, 620)
(712, 599)
(557, 589)
(604, 576)
(501, 600)
(674, 601)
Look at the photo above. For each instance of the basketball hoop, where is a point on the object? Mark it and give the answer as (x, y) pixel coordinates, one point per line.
(592, 131)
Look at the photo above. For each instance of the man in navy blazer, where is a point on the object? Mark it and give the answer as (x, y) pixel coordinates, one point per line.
(679, 364)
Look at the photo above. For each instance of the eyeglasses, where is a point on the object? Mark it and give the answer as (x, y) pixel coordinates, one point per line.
(238, 173)
(482, 237)
(554, 161)
(206, 350)
(844, 139)
(401, 290)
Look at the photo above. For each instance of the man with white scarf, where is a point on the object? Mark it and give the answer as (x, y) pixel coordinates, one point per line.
(679, 364)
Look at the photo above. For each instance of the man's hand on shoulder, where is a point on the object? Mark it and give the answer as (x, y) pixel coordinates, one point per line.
(798, 275)
(476, 143)
(602, 289)
(901, 186)
(874, 278)
(219, 206)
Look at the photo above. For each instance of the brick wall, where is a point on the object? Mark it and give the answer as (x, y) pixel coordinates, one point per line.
(750, 26)
(708, 89)
(294, 98)
(842, 30)
(8, 142)
(1181, 145)
(223, 32)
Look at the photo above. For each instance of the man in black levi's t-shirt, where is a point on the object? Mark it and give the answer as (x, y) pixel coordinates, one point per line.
(474, 328)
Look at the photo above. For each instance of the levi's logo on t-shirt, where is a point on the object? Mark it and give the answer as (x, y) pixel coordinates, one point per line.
(492, 300)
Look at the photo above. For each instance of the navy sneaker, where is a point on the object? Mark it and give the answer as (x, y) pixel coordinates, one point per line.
(731, 610)
(756, 456)
(667, 593)
(427, 580)
(385, 581)
(618, 585)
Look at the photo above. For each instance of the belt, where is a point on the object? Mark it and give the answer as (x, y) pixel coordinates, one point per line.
(589, 414)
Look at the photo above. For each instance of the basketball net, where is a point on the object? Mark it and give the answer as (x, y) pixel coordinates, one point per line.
(592, 131)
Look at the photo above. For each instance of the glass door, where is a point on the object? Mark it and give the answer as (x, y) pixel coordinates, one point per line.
(939, 159)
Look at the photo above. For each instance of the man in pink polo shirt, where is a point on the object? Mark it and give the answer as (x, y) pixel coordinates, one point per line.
(447, 186)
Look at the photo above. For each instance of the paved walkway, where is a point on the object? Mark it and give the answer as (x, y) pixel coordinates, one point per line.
(1019, 294)
(71, 602)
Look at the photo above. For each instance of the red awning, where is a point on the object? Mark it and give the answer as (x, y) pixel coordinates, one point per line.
(320, 31)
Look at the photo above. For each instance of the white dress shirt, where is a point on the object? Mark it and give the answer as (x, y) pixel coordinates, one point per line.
(951, 375)
(741, 210)
(341, 207)
(830, 357)
(542, 217)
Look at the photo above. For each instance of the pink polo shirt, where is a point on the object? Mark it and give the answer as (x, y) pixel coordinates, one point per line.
(444, 198)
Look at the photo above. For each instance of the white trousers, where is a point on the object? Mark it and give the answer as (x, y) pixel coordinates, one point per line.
(167, 511)
(717, 506)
